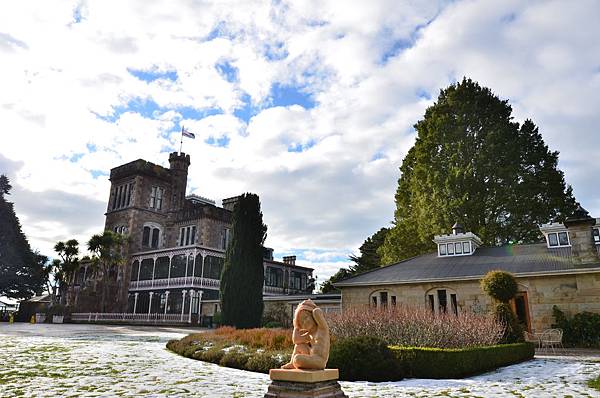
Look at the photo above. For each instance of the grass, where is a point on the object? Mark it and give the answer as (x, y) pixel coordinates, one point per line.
(594, 383)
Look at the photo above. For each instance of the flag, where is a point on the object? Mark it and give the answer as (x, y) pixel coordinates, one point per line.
(186, 133)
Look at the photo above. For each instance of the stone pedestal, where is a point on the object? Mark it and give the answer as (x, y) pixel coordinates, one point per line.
(295, 383)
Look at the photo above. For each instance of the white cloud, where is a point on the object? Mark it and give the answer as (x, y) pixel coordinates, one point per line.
(70, 107)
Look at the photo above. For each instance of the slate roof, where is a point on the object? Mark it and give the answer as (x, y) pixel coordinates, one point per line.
(517, 259)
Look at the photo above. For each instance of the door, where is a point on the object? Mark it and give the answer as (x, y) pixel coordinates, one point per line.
(520, 306)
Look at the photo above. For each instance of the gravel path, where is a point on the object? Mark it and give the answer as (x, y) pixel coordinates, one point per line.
(94, 361)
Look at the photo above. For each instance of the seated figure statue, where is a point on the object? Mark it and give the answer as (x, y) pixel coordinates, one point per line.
(310, 337)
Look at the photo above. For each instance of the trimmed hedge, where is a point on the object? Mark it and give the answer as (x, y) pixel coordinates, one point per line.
(452, 363)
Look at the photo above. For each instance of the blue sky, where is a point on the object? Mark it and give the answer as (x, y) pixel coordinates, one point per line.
(309, 104)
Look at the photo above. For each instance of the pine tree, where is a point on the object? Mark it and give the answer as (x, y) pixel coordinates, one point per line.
(242, 277)
(473, 163)
(21, 272)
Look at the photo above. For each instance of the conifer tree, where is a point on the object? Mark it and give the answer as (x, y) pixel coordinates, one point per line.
(473, 163)
(21, 272)
(242, 277)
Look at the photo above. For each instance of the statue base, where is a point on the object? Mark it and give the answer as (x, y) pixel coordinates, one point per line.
(296, 383)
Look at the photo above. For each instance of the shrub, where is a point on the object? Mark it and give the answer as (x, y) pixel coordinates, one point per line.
(500, 285)
(364, 358)
(583, 330)
(273, 325)
(437, 363)
(217, 319)
(235, 359)
(263, 362)
(417, 327)
(513, 331)
(277, 313)
(213, 355)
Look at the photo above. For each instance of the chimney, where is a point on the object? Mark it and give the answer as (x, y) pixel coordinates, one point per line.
(291, 260)
(458, 229)
(580, 226)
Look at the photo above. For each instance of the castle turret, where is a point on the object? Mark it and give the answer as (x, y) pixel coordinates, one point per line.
(179, 163)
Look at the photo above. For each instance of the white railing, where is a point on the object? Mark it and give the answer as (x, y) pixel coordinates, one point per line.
(273, 289)
(93, 317)
(184, 281)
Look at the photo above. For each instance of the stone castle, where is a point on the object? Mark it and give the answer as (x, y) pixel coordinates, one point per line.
(175, 248)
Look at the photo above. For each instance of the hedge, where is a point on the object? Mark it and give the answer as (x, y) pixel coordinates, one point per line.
(452, 363)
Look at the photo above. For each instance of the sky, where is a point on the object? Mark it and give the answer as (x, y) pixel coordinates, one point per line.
(309, 104)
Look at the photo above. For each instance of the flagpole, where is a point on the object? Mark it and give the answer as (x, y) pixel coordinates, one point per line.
(181, 142)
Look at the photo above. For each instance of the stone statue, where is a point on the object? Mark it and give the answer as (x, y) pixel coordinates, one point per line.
(310, 337)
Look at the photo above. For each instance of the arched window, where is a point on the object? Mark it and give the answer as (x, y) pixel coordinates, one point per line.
(151, 235)
(382, 298)
(442, 300)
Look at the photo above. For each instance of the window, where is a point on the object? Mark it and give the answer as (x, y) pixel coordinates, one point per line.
(458, 248)
(596, 235)
(122, 195)
(151, 236)
(442, 300)
(384, 299)
(563, 239)
(156, 198)
(557, 239)
(430, 301)
(225, 239)
(120, 229)
(187, 235)
(450, 249)
(393, 301)
(454, 304)
(442, 249)
(374, 301)
(466, 247)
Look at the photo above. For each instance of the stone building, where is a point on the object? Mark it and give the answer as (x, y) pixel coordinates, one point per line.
(563, 271)
(175, 247)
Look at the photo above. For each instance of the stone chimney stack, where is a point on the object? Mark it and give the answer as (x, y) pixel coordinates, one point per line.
(179, 163)
(580, 226)
(291, 260)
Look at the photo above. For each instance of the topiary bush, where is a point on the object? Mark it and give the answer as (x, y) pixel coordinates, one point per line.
(364, 358)
(500, 285)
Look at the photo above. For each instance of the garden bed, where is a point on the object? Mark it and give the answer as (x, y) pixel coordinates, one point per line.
(259, 350)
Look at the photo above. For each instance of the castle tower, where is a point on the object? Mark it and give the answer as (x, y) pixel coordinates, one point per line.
(179, 163)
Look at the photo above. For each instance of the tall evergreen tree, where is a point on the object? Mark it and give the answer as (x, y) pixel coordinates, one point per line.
(242, 277)
(21, 273)
(473, 163)
(369, 259)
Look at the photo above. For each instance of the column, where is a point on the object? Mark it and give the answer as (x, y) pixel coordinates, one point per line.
(135, 299)
(187, 257)
(150, 304)
(166, 301)
(191, 301)
(153, 269)
(202, 271)
(183, 303)
(200, 293)
(169, 274)
(139, 268)
(194, 267)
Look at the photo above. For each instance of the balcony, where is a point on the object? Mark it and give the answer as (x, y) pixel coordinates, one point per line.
(183, 282)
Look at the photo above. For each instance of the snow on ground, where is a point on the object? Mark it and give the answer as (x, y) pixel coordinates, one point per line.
(94, 361)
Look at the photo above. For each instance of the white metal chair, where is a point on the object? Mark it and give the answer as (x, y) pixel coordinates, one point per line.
(551, 338)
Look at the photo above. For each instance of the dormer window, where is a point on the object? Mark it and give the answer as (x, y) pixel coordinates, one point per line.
(558, 239)
(459, 243)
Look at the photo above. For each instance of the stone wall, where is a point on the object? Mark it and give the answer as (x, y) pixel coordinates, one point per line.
(572, 293)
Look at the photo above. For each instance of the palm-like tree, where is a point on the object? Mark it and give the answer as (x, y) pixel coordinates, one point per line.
(107, 251)
(64, 271)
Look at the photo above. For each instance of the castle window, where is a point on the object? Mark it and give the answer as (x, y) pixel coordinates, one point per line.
(558, 239)
(151, 236)
(187, 235)
(596, 235)
(121, 229)
(225, 239)
(122, 196)
(156, 198)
